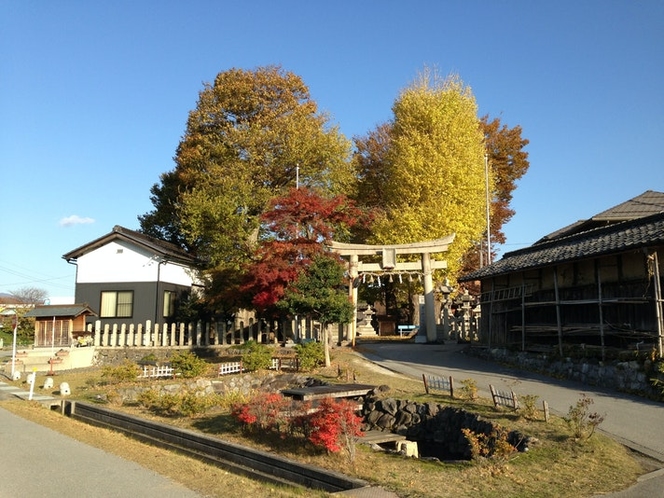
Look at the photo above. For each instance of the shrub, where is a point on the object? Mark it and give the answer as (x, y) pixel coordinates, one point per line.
(335, 427)
(657, 381)
(255, 356)
(582, 422)
(265, 411)
(188, 365)
(469, 389)
(493, 449)
(127, 371)
(187, 403)
(150, 358)
(310, 355)
(528, 406)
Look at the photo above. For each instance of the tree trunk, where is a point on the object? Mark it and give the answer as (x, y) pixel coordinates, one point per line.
(326, 344)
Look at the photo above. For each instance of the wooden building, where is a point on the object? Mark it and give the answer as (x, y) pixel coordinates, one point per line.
(60, 325)
(594, 284)
(129, 277)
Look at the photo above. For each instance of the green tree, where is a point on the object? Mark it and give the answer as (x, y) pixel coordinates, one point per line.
(245, 139)
(320, 293)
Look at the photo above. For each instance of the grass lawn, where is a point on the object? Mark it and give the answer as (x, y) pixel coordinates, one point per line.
(556, 466)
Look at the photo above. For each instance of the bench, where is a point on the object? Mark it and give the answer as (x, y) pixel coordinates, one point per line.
(330, 391)
(406, 328)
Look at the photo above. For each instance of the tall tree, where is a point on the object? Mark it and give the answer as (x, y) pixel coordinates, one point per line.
(507, 160)
(248, 134)
(434, 179)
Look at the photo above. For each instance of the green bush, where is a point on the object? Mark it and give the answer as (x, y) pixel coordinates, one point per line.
(528, 406)
(127, 371)
(187, 402)
(188, 365)
(255, 356)
(310, 355)
(469, 389)
(150, 358)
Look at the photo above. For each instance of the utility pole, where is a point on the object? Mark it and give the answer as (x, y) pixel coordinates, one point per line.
(488, 210)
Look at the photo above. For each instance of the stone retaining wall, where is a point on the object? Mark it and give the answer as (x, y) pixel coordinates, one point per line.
(436, 428)
(243, 384)
(633, 376)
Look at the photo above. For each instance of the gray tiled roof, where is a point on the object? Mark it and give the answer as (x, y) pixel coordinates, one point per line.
(60, 310)
(616, 238)
(646, 204)
(161, 247)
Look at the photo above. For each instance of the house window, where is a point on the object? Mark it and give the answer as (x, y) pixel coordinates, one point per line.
(169, 304)
(117, 304)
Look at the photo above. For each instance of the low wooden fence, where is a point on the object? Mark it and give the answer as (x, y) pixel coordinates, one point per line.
(225, 368)
(156, 371)
(433, 383)
(507, 399)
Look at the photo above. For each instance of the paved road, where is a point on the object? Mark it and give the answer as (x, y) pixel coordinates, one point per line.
(636, 422)
(39, 462)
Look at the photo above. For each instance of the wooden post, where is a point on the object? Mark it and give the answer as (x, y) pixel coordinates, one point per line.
(493, 394)
(113, 342)
(426, 385)
(489, 318)
(523, 315)
(653, 262)
(545, 407)
(558, 319)
(198, 334)
(171, 341)
(132, 336)
(601, 311)
(181, 335)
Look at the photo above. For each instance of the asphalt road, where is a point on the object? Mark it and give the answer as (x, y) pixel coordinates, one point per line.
(39, 462)
(636, 422)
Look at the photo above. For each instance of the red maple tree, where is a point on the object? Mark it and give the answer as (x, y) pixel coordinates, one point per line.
(297, 226)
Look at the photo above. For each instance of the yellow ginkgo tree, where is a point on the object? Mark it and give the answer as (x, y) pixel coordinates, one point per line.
(435, 178)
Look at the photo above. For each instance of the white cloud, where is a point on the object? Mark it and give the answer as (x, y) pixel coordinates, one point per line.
(75, 219)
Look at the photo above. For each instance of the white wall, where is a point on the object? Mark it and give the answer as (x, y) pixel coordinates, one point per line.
(119, 261)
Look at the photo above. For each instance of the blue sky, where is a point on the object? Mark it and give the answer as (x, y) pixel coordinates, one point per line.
(94, 98)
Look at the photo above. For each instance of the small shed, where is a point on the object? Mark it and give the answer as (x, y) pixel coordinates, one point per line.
(60, 324)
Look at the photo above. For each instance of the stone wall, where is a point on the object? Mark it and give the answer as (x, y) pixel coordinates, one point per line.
(632, 376)
(115, 356)
(243, 384)
(435, 427)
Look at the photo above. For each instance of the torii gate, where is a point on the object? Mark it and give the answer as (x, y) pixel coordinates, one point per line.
(390, 264)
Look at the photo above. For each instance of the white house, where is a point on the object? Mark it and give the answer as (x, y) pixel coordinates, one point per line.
(128, 277)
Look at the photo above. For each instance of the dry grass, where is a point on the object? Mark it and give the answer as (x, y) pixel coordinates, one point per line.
(557, 466)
